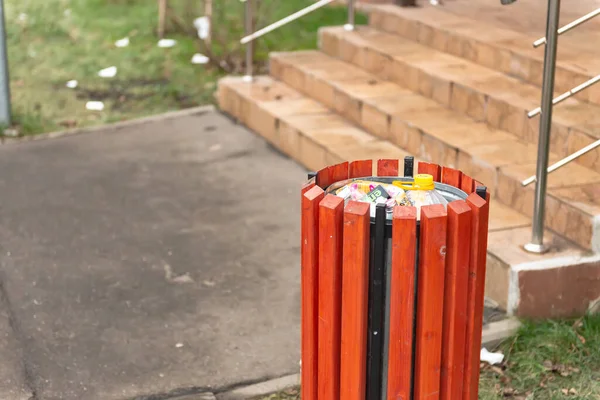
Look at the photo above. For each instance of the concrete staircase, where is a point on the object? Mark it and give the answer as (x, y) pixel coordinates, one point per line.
(427, 82)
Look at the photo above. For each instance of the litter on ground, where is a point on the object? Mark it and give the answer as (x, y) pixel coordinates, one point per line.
(166, 43)
(94, 105)
(490, 358)
(122, 42)
(202, 25)
(109, 72)
(200, 59)
(72, 84)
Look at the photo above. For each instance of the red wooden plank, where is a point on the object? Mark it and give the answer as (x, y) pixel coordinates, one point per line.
(475, 297)
(309, 289)
(402, 302)
(467, 184)
(431, 169)
(432, 259)
(451, 176)
(324, 178)
(307, 186)
(331, 211)
(355, 301)
(339, 172)
(360, 169)
(387, 167)
(455, 300)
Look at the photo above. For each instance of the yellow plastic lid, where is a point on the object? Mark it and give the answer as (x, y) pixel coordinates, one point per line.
(422, 182)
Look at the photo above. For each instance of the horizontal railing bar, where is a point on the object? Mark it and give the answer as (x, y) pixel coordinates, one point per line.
(564, 161)
(566, 95)
(285, 21)
(569, 26)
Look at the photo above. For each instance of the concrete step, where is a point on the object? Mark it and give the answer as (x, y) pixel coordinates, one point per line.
(453, 30)
(482, 93)
(437, 134)
(315, 136)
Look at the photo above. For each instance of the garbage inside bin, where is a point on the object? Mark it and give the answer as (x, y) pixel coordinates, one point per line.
(399, 192)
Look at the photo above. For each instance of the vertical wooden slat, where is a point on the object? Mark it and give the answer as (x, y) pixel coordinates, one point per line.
(387, 167)
(330, 293)
(475, 300)
(324, 178)
(455, 300)
(360, 169)
(309, 289)
(355, 301)
(339, 172)
(431, 169)
(430, 302)
(467, 184)
(402, 302)
(451, 176)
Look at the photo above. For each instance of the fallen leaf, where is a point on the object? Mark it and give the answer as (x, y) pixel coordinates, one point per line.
(68, 123)
(581, 339)
(548, 365)
(573, 391)
(565, 391)
(208, 283)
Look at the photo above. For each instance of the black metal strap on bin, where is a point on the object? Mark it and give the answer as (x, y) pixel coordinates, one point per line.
(409, 166)
(481, 191)
(377, 281)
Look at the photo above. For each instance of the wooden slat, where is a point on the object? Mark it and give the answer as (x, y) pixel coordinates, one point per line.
(475, 297)
(339, 172)
(467, 184)
(360, 169)
(330, 293)
(402, 303)
(324, 178)
(430, 302)
(431, 169)
(455, 300)
(387, 167)
(451, 176)
(355, 301)
(309, 289)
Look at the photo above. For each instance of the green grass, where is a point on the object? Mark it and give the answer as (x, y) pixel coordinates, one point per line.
(546, 360)
(60, 40)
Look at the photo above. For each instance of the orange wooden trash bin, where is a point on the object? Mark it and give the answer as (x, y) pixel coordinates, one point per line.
(392, 303)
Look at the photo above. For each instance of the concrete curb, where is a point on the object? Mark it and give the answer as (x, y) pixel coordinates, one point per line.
(493, 334)
(261, 389)
(110, 127)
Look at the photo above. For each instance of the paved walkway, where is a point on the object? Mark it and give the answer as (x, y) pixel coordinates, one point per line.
(154, 259)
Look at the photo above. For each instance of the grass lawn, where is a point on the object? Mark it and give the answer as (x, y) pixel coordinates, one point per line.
(53, 41)
(546, 361)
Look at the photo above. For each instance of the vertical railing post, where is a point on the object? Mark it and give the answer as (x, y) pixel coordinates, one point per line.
(4, 79)
(537, 236)
(249, 28)
(351, 15)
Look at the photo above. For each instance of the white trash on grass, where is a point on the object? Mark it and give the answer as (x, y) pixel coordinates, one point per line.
(202, 25)
(22, 17)
(200, 59)
(94, 105)
(72, 84)
(166, 43)
(122, 42)
(490, 358)
(109, 72)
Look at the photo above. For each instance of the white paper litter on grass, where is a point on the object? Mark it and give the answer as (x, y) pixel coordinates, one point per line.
(490, 358)
(202, 25)
(166, 43)
(72, 84)
(94, 105)
(200, 59)
(122, 42)
(109, 72)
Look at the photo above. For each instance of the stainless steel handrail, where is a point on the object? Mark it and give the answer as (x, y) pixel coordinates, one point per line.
(570, 26)
(566, 95)
(251, 35)
(564, 161)
(537, 235)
